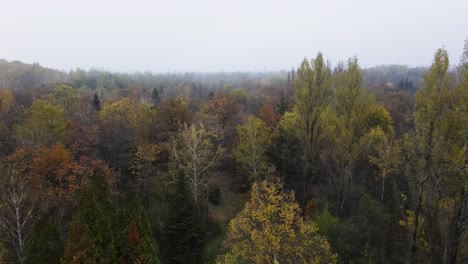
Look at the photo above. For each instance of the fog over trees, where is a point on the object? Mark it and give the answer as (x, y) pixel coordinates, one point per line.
(321, 163)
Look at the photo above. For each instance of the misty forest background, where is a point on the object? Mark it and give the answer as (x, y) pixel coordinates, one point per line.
(319, 164)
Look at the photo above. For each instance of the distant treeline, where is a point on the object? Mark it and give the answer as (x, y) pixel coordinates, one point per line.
(18, 75)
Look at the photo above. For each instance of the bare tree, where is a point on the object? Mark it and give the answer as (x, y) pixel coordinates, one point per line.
(195, 153)
(17, 205)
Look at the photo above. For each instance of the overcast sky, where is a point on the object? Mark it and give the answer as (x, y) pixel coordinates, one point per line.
(228, 35)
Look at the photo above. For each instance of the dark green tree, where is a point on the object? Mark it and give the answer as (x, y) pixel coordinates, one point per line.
(96, 103)
(183, 235)
(155, 96)
(134, 241)
(44, 245)
(91, 235)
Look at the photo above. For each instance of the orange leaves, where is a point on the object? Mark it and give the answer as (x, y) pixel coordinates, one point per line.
(133, 235)
(223, 106)
(269, 116)
(53, 161)
(54, 173)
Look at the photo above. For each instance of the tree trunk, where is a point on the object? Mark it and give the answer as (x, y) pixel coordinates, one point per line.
(383, 185)
(414, 235)
(460, 218)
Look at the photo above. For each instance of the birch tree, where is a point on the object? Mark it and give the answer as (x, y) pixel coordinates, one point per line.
(19, 202)
(254, 139)
(195, 153)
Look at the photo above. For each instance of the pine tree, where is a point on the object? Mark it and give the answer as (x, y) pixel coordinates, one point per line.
(134, 240)
(183, 235)
(44, 244)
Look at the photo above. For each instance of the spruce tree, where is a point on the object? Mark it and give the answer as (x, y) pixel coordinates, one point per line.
(134, 240)
(183, 235)
(44, 244)
(91, 237)
(96, 103)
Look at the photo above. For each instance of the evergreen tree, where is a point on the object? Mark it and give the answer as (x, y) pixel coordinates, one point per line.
(134, 241)
(96, 103)
(45, 244)
(184, 234)
(91, 237)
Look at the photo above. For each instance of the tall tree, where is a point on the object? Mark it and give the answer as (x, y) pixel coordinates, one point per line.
(19, 198)
(312, 85)
(460, 219)
(348, 120)
(271, 229)
(435, 145)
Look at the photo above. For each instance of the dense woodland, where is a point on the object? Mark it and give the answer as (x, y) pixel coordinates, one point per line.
(319, 164)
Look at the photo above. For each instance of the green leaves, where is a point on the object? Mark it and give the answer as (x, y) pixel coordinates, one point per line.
(67, 98)
(44, 124)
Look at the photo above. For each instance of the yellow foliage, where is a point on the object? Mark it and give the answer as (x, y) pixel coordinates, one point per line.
(122, 110)
(409, 222)
(271, 229)
(6, 100)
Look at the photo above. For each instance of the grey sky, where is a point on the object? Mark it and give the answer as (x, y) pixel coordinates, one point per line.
(228, 35)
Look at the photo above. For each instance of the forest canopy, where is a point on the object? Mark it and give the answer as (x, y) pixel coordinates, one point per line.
(318, 164)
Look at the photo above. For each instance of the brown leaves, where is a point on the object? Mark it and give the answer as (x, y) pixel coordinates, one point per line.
(133, 235)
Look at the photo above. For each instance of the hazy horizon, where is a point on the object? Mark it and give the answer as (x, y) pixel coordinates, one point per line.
(228, 36)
